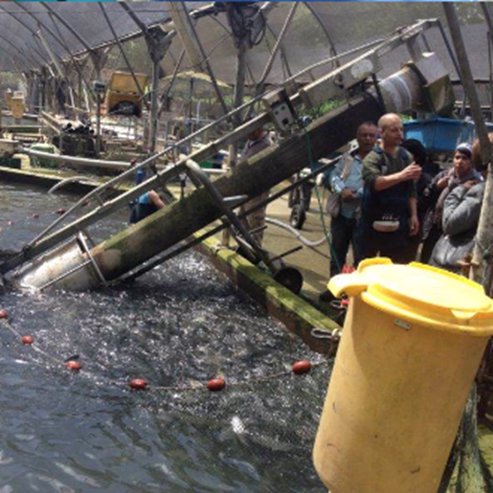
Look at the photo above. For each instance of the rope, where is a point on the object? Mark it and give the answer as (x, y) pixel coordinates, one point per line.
(198, 385)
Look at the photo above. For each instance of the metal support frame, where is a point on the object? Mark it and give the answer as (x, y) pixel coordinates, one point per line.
(163, 98)
(489, 35)
(123, 53)
(259, 87)
(33, 33)
(59, 41)
(198, 177)
(191, 30)
(90, 261)
(39, 244)
(75, 63)
(186, 245)
(81, 40)
(85, 248)
(48, 50)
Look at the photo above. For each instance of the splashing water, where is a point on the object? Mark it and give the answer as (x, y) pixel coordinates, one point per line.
(177, 327)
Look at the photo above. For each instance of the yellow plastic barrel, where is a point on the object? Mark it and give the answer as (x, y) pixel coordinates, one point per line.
(412, 342)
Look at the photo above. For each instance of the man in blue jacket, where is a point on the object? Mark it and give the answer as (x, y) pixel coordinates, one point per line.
(147, 203)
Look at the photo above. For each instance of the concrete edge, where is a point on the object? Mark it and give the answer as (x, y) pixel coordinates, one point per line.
(298, 316)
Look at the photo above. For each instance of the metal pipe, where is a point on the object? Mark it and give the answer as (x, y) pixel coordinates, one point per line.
(261, 83)
(81, 161)
(205, 60)
(123, 53)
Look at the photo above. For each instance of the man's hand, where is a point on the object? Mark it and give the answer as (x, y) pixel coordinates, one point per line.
(469, 183)
(413, 225)
(319, 180)
(347, 195)
(411, 172)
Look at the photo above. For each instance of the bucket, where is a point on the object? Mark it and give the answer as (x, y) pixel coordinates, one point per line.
(412, 343)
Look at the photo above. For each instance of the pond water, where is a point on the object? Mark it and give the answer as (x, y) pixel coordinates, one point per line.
(177, 327)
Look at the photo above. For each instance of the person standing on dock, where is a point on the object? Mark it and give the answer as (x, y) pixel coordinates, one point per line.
(461, 172)
(346, 184)
(389, 207)
(258, 140)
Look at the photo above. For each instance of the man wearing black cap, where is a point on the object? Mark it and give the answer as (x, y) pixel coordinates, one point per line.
(461, 172)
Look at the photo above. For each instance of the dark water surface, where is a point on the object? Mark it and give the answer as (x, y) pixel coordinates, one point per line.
(178, 326)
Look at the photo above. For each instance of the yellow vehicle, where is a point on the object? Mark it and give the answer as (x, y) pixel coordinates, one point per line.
(122, 95)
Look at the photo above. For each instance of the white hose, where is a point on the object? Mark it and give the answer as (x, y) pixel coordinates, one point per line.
(82, 179)
(295, 232)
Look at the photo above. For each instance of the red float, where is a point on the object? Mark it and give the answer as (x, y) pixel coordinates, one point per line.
(216, 384)
(27, 339)
(73, 365)
(10, 223)
(60, 211)
(138, 384)
(35, 216)
(4, 314)
(302, 366)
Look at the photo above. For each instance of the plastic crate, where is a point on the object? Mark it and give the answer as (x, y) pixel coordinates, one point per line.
(10, 162)
(44, 162)
(440, 134)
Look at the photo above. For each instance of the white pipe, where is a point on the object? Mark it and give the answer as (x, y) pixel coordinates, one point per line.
(82, 161)
(81, 179)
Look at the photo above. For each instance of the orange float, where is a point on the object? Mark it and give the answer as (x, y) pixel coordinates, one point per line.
(216, 384)
(73, 365)
(27, 340)
(138, 384)
(301, 366)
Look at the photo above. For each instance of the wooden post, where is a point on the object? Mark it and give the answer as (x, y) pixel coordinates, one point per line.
(242, 48)
(466, 449)
(485, 228)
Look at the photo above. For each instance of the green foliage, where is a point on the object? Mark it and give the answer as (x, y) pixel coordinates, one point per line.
(324, 108)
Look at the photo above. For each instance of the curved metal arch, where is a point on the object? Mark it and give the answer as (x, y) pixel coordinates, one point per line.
(20, 52)
(265, 8)
(30, 29)
(127, 37)
(282, 52)
(81, 40)
(46, 28)
(76, 65)
(324, 29)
